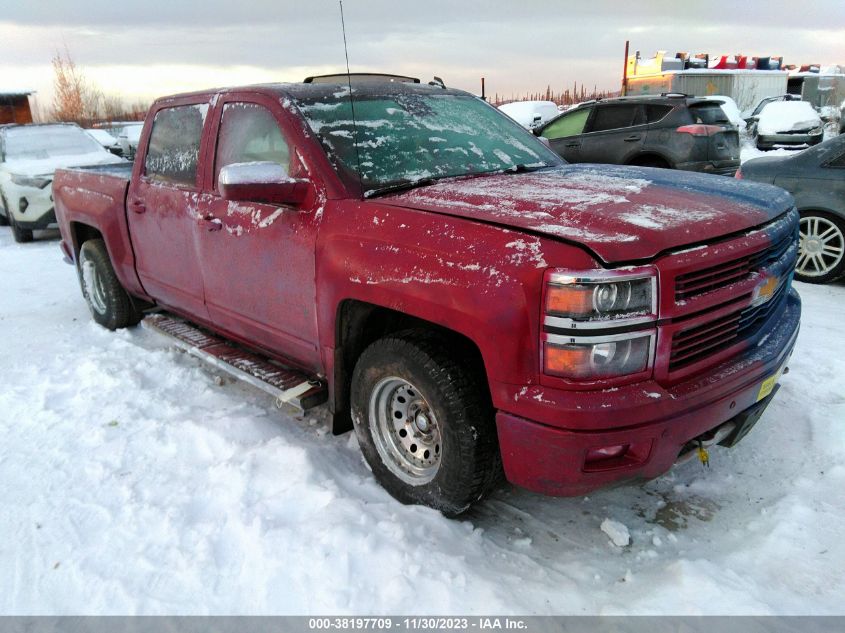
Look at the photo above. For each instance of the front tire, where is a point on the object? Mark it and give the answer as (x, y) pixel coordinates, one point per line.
(109, 303)
(424, 423)
(821, 255)
(22, 236)
(4, 217)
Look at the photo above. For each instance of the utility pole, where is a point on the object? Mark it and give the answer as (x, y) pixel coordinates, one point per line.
(625, 71)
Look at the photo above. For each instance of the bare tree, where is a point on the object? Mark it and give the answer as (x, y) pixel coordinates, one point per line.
(78, 100)
(69, 88)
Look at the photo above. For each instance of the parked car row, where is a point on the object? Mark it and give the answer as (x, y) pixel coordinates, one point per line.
(29, 155)
(127, 133)
(671, 131)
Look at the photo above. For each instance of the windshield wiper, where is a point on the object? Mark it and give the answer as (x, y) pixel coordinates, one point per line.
(399, 187)
(522, 168)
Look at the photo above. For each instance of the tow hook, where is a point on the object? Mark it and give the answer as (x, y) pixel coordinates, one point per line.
(697, 447)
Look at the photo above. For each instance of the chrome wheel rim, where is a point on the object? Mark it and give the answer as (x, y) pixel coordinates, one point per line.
(822, 246)
(405, 431)
(93, 284)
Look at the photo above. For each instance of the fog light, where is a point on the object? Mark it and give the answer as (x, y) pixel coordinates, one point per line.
(606, 452)
(23, 204)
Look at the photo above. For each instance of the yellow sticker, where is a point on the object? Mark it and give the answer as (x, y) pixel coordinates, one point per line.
(767, 386)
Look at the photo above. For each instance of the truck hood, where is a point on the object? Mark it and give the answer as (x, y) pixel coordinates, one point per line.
(46, 166)
(621, 214)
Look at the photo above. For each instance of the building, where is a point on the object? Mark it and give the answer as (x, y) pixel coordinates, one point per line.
(14, 106)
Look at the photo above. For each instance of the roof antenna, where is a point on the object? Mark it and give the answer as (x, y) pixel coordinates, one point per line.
(351, 102)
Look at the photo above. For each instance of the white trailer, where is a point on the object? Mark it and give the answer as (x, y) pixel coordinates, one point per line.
(746, 87)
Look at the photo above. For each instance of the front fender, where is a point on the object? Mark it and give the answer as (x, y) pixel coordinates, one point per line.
(479, 280)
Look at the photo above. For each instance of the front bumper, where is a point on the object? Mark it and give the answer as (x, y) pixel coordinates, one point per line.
(770, 141)
(45, 221)
(554, 461)
(38, 212)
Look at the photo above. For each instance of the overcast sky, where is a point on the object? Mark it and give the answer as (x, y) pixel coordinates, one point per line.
(145, 49)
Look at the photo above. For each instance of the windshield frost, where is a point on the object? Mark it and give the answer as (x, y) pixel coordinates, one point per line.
(49, 141)
(407, 138)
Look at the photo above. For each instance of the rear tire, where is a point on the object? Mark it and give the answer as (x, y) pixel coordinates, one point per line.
(110, 305)
(821, 255)
(424, 423)
(651, 161)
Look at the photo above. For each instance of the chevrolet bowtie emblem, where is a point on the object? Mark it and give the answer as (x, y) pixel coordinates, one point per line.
(765, 290)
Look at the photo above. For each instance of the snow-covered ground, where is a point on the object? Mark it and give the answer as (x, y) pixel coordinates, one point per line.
(135, 480)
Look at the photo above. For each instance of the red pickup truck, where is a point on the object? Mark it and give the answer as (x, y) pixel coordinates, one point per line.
(461, 296)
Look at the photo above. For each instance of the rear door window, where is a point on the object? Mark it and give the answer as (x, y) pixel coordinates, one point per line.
(174, 147)
(614, 117)
(570, 124)
(708, 113)
(655, 113)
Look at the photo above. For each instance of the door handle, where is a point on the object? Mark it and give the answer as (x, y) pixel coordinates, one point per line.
(573, 145)
(212, 224)
(633, 137)
(137, 206)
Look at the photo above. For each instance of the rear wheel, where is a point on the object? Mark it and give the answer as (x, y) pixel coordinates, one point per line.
(109, 303)
(821, 256)
(651, 161)
(424, 423)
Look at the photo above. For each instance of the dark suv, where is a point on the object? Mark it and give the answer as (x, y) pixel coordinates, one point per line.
(673, 131)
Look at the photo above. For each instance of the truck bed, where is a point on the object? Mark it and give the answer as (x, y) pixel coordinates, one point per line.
(91, 200)
(120, 170)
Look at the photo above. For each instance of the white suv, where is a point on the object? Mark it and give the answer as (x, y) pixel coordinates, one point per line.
(29, 154)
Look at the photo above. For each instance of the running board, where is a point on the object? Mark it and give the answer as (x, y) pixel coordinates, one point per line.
(287, 386)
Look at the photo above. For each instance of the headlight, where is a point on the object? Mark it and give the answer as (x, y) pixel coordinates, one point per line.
(598, 357)
(584, 300)
(619, 304)
(38, 182)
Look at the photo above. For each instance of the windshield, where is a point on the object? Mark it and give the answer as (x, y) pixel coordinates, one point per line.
(763, 104)
(409, 138)
(48, 141)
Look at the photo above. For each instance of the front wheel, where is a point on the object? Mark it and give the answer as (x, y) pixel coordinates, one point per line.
(21, 236)
(109, 303)
(424, 423)
(821, 256)
(4, 217)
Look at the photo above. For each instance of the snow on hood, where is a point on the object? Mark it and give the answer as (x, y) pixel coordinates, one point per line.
(619, 213)
(46, 166)
(787, 116)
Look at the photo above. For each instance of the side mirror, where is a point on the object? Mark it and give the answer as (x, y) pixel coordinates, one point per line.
(263, 181)
(544, 141)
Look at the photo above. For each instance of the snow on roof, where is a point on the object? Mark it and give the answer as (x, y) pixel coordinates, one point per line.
(10, 92)
(713, 71)
(525, 112)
